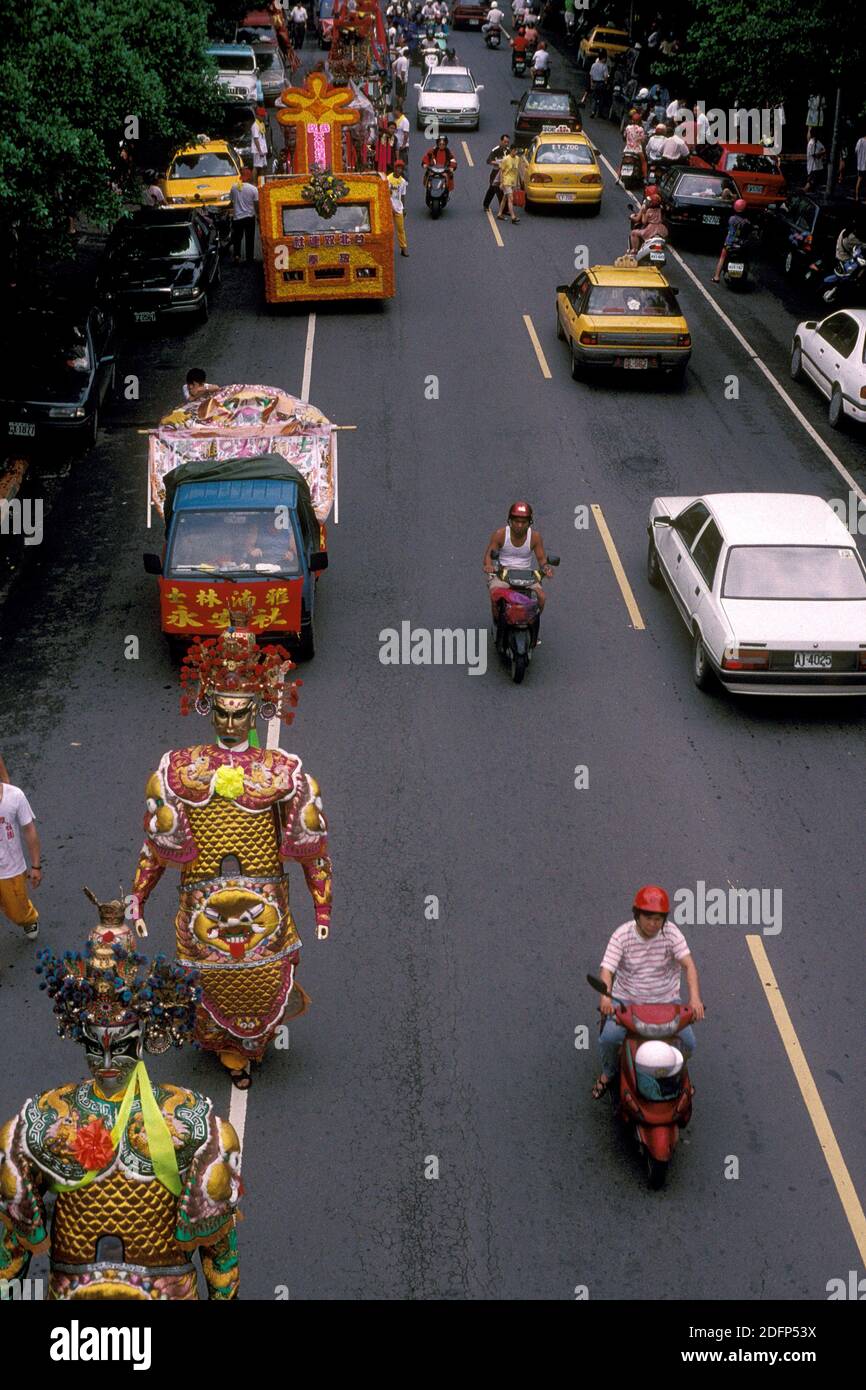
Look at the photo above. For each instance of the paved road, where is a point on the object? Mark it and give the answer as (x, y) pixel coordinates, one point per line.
(455, 1038)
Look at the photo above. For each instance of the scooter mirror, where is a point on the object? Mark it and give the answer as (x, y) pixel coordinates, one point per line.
(553, 559)
(598, 985)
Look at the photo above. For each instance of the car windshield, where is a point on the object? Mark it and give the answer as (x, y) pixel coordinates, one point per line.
(794, 572)
(701, 186)
(269, 61)
(42, 347)
(158, 243)
(449, 82)
(752, 164)
(231, 542)
(564, 154)
(625, 299)
(349, 217)
(203, 166)
(548, 101)
(241, 62)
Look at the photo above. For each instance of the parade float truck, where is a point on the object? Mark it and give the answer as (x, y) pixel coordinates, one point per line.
(327, 233)
(244, 480)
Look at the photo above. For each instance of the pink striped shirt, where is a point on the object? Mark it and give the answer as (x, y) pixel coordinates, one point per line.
(647, 972)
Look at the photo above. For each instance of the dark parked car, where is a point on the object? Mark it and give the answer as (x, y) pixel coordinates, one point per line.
(162, 263)
(805, 227)
(540, 111)
(469, 14)
(696, 201)
(58, 364)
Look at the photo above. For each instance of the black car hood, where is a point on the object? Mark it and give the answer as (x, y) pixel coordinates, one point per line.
(155, 273)
(73, 390)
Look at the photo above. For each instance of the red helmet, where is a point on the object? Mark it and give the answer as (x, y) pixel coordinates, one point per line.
(520, 509)
(651, 898)
(650, 188)
(739, 205)
(654, 200)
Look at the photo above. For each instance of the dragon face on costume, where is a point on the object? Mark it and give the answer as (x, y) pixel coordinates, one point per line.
(235, 920)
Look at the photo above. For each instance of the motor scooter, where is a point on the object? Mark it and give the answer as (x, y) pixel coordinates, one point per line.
(848, 275)
(736, 270)
(540, 79)
(656, 1108)
(516, 617)
(493, 37)
(518, 65)
(652, 251)
(436, 190)
(630, 169)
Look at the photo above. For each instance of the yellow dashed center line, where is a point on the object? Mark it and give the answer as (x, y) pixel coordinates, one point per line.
(616, 565)
(851, 1204)
(468, 156)
(533, 337)
(494, 229)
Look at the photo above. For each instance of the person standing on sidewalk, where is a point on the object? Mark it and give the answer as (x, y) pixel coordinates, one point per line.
(860, 161)
(17, 824)
(815, 159)
(245, 203)
(397, 187)
(259, 141)
(494, 159)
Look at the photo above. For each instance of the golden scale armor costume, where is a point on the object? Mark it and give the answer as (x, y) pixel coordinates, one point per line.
(143, 1174)
(228, 815)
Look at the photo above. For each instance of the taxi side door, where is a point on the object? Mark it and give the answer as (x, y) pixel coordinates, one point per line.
(569, 307)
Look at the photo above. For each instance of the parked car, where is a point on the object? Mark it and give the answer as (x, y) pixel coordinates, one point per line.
(757, 174)
(237, 73)
(696, 202)
(58, 367)
(563, 169)
(623, 317)
(804, 228)
(162, 263)
(832, 354)
(602, 40)
(204, 174)
(771, 588)
(539, 112)
(271, 69)
(451, 96)
(469, 14)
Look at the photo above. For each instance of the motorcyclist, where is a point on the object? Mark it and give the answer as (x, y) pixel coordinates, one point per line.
(530, 28)
(518, 45)
(541, 62)
(848, 243)
(440, 156)
(645, 955)
(648, 221)
(739, 231)
(495, 17)
(656, 143)
(520, 548)
(635, 138)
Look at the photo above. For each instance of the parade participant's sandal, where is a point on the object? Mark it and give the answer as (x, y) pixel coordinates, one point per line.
(404, 253)
(515, 220)
(601, 1086)
(31, 931)
(241, 1077)
(715, 279)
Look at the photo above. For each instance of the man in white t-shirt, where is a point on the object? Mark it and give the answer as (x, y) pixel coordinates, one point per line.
(17, 824)
(645, 955)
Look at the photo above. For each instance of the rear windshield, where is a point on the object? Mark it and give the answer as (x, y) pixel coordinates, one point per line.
(564, 154)
(752, 164)
(701, 186)
(40, 345)
(349, 217)
(453, 82)
(157, 243)
(202, 166)
(623, 299)
(548, 101)
(794, 572)
(231, 543)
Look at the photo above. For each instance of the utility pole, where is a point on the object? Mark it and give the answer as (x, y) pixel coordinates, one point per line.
(834, 144)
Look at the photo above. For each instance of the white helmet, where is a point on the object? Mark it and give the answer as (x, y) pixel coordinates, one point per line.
(644, 92)
(658, 1058)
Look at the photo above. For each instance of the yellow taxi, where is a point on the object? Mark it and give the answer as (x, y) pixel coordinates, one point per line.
(202, 174)
(611, 42)
(623, 316)
(562, 169)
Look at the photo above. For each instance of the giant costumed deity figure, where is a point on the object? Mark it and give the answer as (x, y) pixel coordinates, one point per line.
(229, 814)
(144, 1174)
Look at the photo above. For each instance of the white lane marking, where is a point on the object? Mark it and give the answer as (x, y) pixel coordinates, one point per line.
(467, 154)
(308, 359)
(758, 361)
(336, 463)
(238, 1115)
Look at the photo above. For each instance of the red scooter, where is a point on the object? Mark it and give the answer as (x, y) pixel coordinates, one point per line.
(656, 1120)
(516, 616)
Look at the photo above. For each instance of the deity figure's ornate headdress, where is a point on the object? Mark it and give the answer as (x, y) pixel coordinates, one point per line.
(233, 664)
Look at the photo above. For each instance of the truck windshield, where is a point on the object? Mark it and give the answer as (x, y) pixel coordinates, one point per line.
(238, 542)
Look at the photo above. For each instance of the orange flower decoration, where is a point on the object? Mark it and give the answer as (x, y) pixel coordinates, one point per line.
(92, 1145)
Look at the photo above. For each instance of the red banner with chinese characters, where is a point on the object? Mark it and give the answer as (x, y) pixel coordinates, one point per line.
(199, 608)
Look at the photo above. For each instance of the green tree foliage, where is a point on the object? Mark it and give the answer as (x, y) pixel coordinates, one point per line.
(71, 77)
(754, 50)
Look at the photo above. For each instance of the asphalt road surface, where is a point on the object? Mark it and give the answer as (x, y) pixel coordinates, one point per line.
(454, 1039)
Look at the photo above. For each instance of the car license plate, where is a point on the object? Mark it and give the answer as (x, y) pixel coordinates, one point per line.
(710, 219)
(735, 267)
(145, 316)
(474, 23)
(812, 661)
(22, 427)
(754, 188)
(636, 363)
(565, 197)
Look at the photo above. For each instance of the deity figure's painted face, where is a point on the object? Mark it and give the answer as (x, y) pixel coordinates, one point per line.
(233, 718)
(112, 1052)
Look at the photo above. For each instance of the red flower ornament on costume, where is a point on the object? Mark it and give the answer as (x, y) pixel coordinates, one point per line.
(92, 1145)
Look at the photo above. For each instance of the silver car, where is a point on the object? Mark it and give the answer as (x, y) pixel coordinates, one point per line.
(272, 70)
(771, 587)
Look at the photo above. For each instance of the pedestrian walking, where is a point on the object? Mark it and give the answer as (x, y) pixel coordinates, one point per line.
(299, 26)
(397, 187)
(494, 159)
(598, 75)
(860, 160)
(401, 130)
(509, 178)
(17, 825)
(245, 202)
(816, 156)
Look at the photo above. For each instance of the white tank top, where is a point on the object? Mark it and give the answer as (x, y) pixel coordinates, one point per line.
(517, 557)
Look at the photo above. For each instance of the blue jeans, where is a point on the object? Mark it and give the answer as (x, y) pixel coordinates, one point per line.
(611, 1037)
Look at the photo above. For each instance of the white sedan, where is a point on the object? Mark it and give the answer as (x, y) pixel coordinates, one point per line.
(771, 588)
(449, 97)
(832, 353)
